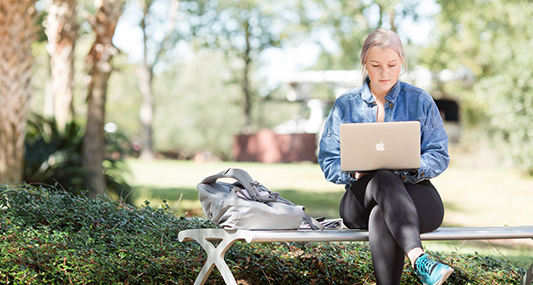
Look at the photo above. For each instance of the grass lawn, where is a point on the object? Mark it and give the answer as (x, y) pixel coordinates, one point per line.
(472, 196)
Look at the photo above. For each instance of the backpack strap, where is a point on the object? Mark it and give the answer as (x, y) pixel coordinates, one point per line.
(313, 223)
(252, 187)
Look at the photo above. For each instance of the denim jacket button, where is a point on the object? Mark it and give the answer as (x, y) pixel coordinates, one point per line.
(391, 105)
(403, 177)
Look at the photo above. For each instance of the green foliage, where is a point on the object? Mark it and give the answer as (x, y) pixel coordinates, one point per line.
(124, 98)
(54, 156)
(492, 38)
(49, 236)
(197, 109)
(346, 23)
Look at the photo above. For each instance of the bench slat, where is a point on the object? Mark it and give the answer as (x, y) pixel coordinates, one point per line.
(478, 233)
(443, 233)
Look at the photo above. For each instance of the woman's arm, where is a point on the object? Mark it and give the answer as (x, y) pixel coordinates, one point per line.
(434, 157)
(329, 156)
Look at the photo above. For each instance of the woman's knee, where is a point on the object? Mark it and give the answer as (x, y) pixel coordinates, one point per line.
(354, 215)
(386, 175)
(384, 180)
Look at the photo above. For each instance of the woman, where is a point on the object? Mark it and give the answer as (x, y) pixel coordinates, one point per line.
(394, 207)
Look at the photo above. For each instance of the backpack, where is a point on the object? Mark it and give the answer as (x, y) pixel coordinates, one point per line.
(247, 204)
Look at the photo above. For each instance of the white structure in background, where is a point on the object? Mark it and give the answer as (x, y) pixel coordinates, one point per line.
(317, 110)
(314, 111)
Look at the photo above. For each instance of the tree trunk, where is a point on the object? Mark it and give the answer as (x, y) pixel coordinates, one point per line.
(380, 21)
(146, 112)
(61, 29)
(99, 59)
(17, 33)
(392, 15)
(145, 74)
(94, 142)
(246, 83)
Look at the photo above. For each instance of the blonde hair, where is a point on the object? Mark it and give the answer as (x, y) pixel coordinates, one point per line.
(382, 38)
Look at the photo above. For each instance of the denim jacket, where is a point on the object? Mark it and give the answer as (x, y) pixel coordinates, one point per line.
(403, 103)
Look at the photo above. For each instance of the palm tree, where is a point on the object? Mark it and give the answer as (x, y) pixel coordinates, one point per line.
(62, 32)
(17, 33)
(99, 58)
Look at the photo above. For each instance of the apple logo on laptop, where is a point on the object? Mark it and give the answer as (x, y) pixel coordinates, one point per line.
(380, 146)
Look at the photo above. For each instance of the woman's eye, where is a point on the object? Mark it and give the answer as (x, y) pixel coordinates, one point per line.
(375, 65)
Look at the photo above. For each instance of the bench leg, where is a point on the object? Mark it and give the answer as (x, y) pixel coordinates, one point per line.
(528, 278)
(215, 257)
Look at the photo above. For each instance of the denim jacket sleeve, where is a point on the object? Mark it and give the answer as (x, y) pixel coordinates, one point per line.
(329, 157)
(434, 158)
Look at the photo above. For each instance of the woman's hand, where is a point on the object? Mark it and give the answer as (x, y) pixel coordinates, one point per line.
(358, 175)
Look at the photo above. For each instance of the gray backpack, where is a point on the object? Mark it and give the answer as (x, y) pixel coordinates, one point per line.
(247, 204)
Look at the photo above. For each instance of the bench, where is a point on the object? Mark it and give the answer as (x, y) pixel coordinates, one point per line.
(215, 254)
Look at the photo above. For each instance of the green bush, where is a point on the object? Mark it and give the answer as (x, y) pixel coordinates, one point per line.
(49, 236)
(54, 156)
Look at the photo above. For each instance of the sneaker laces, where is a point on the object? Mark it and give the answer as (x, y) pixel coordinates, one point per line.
(425, 265)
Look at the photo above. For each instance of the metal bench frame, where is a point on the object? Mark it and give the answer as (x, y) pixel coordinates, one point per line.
(215, 254)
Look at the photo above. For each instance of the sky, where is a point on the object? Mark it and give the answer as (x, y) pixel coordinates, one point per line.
(279, 62)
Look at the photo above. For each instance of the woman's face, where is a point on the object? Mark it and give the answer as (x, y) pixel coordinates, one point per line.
(383, 66)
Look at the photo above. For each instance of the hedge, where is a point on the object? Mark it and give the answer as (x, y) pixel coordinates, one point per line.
(50, 236)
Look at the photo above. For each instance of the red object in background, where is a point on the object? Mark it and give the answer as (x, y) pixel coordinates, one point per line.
(268, 147)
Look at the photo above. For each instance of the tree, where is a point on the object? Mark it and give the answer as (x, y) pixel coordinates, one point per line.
(145, 72)
(347, 23)
(62, 32)
(244, 29)
(493, 39)
(17, 33)
(203, 113)
(163, 23)
(99, 58)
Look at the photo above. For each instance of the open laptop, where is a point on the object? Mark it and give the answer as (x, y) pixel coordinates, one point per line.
(373, 146)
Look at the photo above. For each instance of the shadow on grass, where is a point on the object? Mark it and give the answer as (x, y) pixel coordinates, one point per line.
(518, 252)
(182, 200)
(317, 204)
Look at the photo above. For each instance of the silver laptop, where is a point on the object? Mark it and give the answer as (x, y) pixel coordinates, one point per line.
(373, 146)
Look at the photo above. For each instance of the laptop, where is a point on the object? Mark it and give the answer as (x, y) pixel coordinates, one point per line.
(372, 146)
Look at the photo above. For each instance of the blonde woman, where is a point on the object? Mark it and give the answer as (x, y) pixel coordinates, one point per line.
(394, 207)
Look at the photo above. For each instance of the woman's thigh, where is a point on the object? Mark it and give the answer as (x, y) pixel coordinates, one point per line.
(428, 204)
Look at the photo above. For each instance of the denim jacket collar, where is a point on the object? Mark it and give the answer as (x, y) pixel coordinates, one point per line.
(366, 95)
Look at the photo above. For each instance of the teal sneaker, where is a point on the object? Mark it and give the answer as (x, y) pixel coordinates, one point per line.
(431, 272)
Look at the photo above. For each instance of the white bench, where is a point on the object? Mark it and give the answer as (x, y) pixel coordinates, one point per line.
(215, 254)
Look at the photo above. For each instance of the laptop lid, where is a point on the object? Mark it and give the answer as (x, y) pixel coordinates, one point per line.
(373, 146)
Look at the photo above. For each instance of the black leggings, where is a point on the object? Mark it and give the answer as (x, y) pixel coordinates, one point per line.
(395, 214)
